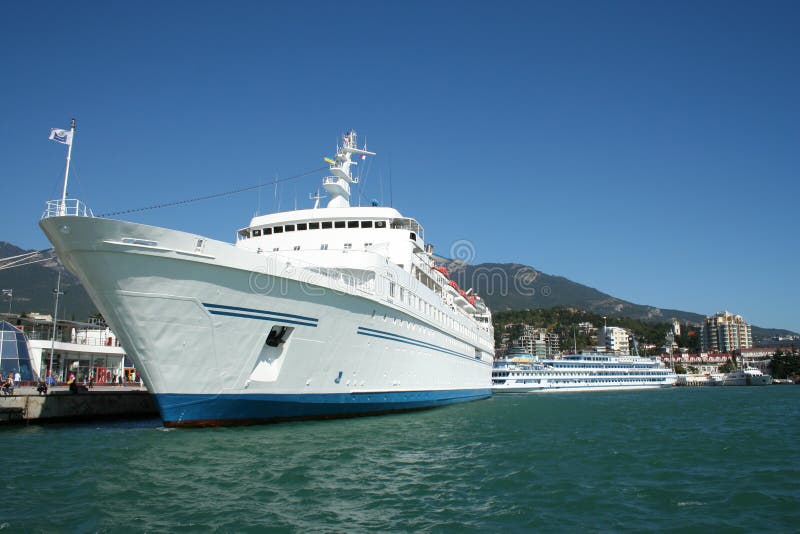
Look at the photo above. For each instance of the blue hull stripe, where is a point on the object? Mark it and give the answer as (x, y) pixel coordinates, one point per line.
(264, 315)
(364, 331)
(261, 317)
(232, 409)
(251, 310)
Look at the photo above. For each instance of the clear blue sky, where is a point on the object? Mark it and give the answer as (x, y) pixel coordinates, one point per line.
(648, 149)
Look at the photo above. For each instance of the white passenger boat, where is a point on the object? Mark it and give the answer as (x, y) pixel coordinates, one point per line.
(312, 313)
(749, 376)
(521, 373)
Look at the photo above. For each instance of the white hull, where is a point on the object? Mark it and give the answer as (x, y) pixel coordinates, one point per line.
(195, 317)
(742, 377)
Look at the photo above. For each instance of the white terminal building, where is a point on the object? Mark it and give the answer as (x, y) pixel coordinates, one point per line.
(78, 348)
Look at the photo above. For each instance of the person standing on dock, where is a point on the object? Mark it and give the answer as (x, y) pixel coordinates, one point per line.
(8, 385)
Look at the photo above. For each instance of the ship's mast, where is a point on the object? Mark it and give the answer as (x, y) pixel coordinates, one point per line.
(71, 138)
(338, 184)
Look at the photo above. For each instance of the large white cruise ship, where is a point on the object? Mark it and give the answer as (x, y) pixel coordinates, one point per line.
(313, 313)
(521, 373)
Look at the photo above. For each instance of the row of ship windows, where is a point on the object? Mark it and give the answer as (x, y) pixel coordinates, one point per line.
(324, 225)
(413, 301)
(458, 345)
(552, 371)
(568, 381)
(425, 330)
(324, 246)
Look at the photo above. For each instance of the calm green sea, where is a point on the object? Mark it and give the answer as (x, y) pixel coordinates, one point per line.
(685, 459)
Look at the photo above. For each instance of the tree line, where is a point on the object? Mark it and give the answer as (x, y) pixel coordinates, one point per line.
(564, 320)
(786, 364)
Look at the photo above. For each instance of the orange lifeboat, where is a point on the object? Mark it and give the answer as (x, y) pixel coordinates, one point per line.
(442, 269)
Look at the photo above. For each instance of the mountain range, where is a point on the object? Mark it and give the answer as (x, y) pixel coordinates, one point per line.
(504, 286)
(512, 286)
(34, 285)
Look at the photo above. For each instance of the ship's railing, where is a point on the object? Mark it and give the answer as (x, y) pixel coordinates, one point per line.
(70, 206)
(337, 180)
(95, 338)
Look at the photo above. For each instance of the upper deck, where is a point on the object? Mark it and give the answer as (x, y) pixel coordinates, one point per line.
(331, 218)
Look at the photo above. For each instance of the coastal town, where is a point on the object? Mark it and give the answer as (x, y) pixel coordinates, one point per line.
(723, 343)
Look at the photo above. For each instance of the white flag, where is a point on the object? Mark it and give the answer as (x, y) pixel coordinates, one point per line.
(61, 136)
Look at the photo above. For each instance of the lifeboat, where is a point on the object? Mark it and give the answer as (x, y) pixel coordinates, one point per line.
(442, 269)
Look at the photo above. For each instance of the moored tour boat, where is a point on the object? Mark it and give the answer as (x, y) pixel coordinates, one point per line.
(521, 373)
(749, 376)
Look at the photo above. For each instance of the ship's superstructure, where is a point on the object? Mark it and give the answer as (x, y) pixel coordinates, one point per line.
(320, 312)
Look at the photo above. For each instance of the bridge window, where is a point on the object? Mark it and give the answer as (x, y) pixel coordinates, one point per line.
(352, 224)
(289, 228)
(380, 224)
(267, 231)
(338, 224)
(278, 229)
(256, 233)
(327, 224)
(313, 226)
(302, 226)
(366, 224)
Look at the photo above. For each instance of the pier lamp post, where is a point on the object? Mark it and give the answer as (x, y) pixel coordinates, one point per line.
(10, 294)
(574, 339)
(57, 292)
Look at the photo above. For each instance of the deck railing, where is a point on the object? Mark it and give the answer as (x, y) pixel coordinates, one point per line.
(70, 206)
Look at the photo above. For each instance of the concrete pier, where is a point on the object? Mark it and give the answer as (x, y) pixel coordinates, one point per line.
(26, 405)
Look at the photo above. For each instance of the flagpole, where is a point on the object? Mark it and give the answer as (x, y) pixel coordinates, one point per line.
(66, 171)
